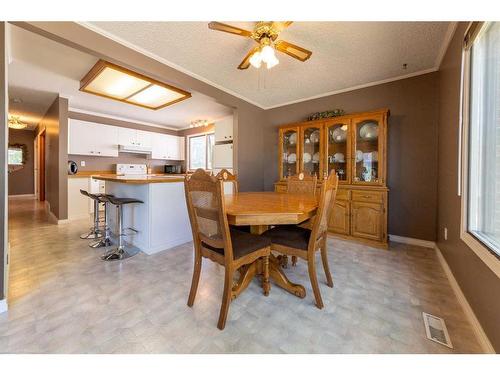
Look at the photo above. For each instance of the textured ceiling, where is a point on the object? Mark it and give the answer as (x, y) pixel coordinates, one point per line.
(345, 54)
(40, 69)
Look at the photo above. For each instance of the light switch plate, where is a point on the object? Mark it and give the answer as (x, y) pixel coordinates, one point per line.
(82, 163)
(445, 233)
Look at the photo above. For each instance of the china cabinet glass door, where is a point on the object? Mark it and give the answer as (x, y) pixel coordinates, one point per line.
(338, 150)
(289, 152)
(311, 150)
(368, 151)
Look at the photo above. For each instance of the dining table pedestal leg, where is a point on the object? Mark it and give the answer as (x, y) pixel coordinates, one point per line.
(276, 274)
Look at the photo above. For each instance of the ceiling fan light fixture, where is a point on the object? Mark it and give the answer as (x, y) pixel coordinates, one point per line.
(256, 60)
(272, 62)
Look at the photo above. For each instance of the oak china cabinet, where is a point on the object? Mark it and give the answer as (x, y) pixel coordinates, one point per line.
(354, 146)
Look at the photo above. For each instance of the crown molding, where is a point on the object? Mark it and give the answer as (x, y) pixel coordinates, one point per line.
(452, 27)
(353, 88)
(444, 46)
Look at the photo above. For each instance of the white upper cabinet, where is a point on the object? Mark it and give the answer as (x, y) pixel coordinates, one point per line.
(224, 129)
(167, 147)
(90, 138)
(144, 138)
(133, 137)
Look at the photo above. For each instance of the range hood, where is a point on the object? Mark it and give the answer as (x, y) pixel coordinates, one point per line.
(134, 149)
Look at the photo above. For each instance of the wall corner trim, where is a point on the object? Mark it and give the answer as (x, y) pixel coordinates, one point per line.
(412, 241)
(3, 306)
(476, 326)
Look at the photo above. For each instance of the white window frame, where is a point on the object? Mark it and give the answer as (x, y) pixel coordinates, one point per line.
(188, 158)
(478, 247)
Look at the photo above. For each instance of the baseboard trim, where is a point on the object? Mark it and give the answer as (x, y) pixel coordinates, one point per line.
(412, 241)
(3, 306)
(476, 326)
(22, 196)
(53, 218)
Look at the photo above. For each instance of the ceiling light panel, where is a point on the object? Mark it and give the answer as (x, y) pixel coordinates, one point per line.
(114, 82)
(155, 96)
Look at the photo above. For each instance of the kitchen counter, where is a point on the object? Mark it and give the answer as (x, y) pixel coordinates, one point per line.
(149, 179)
(112, 176)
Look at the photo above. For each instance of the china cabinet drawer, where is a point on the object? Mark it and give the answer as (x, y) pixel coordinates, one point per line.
(367, 196)
(342, 194)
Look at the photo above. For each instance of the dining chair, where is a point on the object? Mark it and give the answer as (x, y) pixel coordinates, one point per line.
(301, 183)
(304, 243)
(229, 180)
(214, 240)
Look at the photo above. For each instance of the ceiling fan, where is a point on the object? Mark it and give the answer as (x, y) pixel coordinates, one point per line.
(266, 35)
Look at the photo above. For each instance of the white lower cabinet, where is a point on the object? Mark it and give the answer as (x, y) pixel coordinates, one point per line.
(78, 204)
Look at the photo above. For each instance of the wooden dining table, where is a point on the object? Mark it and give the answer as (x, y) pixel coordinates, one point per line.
(259, 210)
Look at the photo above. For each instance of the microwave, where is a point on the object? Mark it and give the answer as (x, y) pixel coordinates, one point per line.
(173, 169)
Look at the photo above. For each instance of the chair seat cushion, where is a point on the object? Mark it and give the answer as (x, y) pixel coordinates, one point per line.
(289, 235)
(243, 243)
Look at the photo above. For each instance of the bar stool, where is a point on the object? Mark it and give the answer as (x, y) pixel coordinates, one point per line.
(104, 241)
(120, 252)
(94, 232)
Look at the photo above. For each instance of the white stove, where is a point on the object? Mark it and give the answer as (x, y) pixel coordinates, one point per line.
(131, 169)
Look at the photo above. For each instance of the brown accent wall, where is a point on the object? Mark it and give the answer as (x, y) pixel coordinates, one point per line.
(249, 119)
(22, 181)
(479, 284)
(100, 163)
(55, 123)
(4, 109)
(412, 146)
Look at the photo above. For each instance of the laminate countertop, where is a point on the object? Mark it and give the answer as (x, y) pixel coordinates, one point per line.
(149, 179)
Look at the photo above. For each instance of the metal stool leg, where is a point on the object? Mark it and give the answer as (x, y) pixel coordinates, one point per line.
(94, 232)
(120, 252)
(106, 240)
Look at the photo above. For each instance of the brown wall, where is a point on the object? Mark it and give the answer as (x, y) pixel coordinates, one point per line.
(22, 181)
(99, 163)
(3, 153)
(412, 146)
(479, 284)
(55, 123)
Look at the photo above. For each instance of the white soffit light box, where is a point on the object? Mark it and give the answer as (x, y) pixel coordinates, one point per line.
(115, 82)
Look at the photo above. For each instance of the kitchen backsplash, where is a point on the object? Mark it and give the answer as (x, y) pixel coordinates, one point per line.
(101, 163)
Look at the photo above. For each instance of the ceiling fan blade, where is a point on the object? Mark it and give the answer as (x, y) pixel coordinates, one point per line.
(293, 50)
(228, 29)
(246, 61)
(281, 25)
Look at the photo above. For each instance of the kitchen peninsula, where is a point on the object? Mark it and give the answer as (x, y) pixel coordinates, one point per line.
(162, 221)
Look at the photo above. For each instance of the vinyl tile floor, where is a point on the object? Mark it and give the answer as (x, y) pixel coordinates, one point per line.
(64, 299)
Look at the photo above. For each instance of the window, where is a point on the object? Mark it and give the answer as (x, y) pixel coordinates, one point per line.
(481, 198)
(15, 156)
(201, 151)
